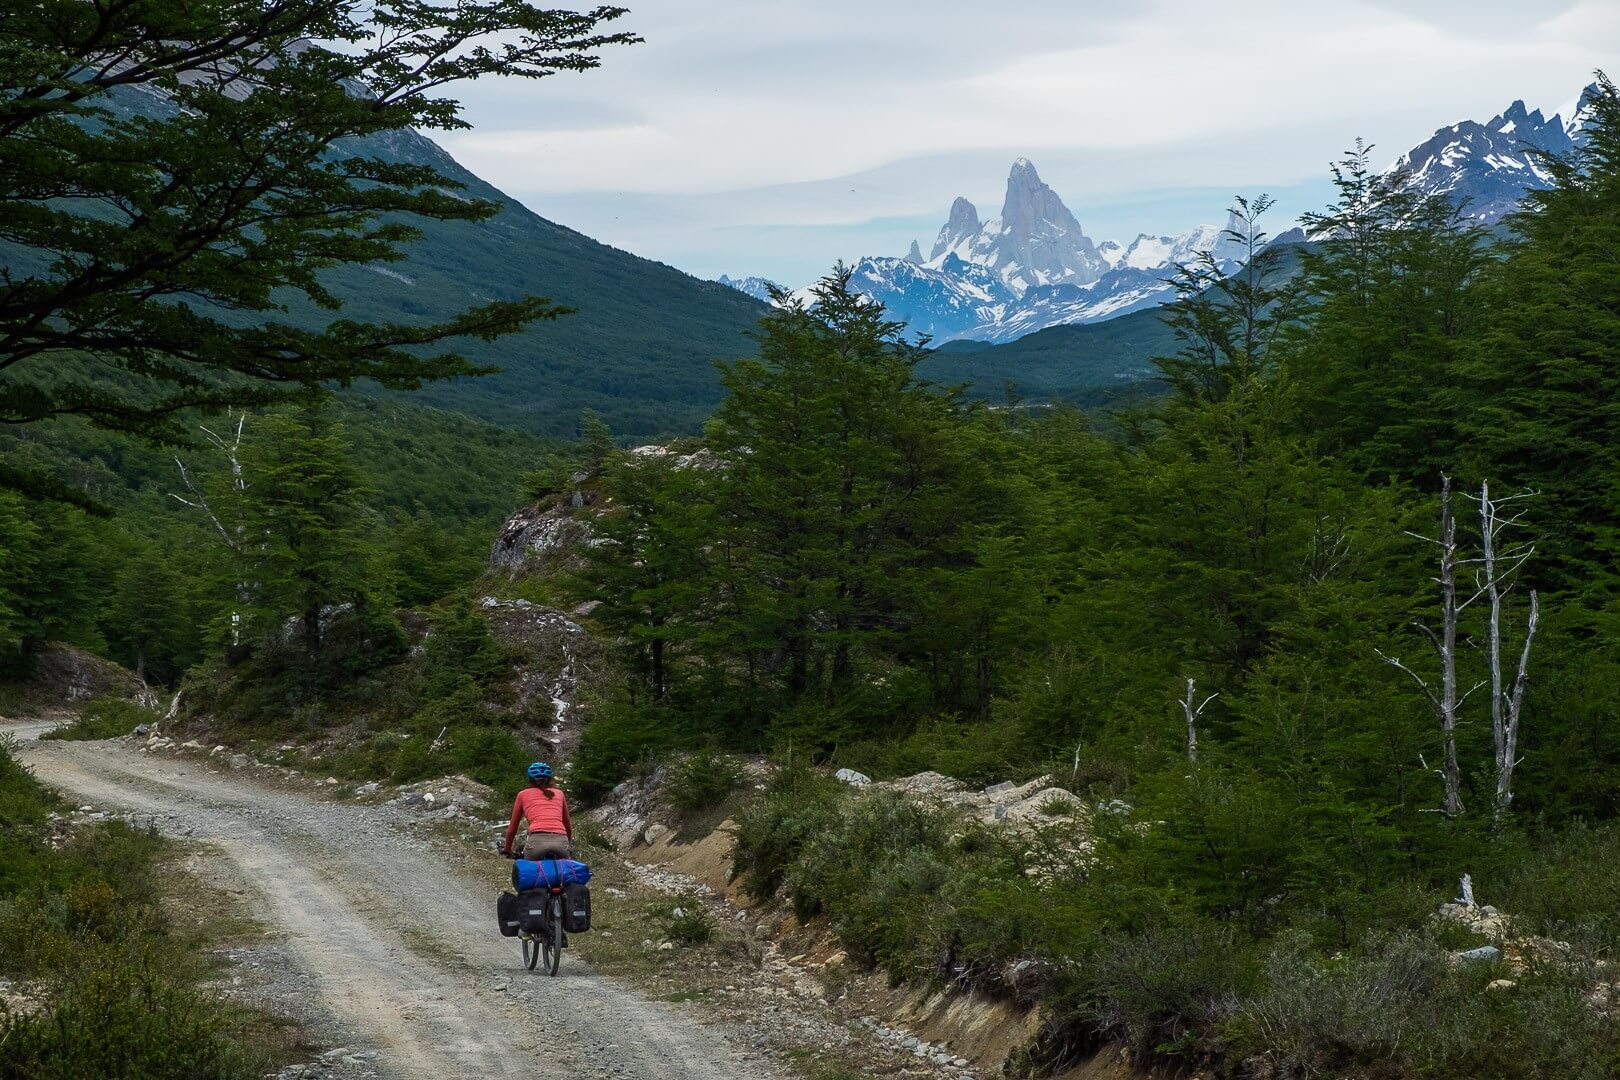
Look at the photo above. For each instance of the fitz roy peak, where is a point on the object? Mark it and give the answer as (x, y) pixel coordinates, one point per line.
(1028, 269)
(1036, 241)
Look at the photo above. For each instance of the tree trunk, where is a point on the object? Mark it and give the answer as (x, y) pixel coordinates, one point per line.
(1448, 650)
(1192, 713)
(1507, 754)
(1505, 706)
(312, 630)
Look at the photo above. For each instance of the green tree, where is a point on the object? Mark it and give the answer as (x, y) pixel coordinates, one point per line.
(595, 436)
(652, 575)
(1545, 372)
(429, 558)
(148, 620)
(1228, 324)
(841, 482)
(303, 525)
(171, 173)
(1388, 304)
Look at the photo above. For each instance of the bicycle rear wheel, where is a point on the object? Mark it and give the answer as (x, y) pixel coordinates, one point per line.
(551, 937)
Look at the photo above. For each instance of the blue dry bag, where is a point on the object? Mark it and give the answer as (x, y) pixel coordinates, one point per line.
(548, 874)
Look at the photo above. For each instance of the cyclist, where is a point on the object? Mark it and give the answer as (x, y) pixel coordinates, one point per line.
(544, 806)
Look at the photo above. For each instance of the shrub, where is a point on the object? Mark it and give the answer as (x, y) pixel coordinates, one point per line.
(771, 831)
(702, 780)
(688, 922)
(82, 924)
(1160, 989)
(105, 718)
(621, 738)
(1568, 884)
(120, 1008)
(975, 752)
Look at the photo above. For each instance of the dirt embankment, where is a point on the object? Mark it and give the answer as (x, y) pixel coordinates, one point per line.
(925, 1031)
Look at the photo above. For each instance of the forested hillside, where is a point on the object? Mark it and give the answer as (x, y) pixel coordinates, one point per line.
(149, 578)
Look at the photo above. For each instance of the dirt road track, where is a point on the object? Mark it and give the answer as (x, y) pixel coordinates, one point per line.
(399, 944)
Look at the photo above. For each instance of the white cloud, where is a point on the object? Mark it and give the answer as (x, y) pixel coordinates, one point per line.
(780, 115)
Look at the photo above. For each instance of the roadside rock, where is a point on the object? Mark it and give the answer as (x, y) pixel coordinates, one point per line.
(1485, 954)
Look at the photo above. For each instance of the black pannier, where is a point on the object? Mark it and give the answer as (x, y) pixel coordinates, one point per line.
(506, 911)
(576, 904)
(531, 907)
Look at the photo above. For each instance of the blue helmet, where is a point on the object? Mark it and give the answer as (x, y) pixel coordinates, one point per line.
(539, 771)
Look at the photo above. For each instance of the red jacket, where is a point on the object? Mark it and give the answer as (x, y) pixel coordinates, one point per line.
(545, 815)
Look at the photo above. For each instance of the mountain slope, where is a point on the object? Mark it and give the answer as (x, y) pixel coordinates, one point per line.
(640, 350)
(1083, 364)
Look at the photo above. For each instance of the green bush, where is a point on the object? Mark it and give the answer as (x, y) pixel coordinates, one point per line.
(490, 755)
(82, 925)
(1567, 885)
(687, 922)
(105, 718)
(979, 753)
(621, 738)
(120, 1012)
(1163, 988)
(772, 831)
(876, 869)
(702, 780)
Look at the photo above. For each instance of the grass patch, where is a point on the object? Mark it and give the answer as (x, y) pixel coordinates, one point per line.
(685, 921)
(121, 992)
(104, 718)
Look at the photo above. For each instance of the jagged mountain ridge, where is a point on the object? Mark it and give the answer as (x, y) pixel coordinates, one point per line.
(1028, 269)
(1048, 273)
(1487, 168)
(757, 287)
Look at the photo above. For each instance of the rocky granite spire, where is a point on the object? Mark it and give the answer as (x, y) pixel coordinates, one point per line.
(962, 227)
(1039, 242)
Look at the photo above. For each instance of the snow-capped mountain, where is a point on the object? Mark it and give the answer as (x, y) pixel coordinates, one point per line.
(944, 301)
(1034, 267)
(1489, 167)
(1030, 268)
(757, 287)
(1035, 241)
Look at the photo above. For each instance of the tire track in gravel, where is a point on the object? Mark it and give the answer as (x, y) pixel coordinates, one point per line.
(399, 943)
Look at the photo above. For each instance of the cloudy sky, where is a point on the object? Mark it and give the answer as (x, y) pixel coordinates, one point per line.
(775, 136)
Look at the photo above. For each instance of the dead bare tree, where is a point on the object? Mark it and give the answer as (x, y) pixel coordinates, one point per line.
(1445, 703)
(1493, 580)
(1192, 714)
(1498, 566)
(197, 499)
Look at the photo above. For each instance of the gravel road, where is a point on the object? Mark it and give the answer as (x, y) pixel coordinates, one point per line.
(399, 942)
